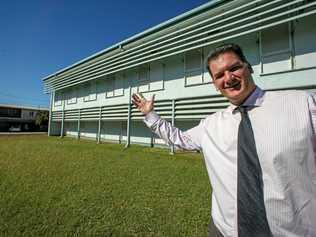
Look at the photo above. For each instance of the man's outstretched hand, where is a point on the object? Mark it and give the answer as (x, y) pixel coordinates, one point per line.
(143, 105)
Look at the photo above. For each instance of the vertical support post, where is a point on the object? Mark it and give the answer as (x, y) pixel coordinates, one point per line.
(173, 114)
(291, 45)
(62, 121)
(99, 127)
(260, 51)
(152, 140)
(78, 125)
(50, 114)
(129, 119)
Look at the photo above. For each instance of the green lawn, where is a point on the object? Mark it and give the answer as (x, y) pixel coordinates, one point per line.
(64, 187)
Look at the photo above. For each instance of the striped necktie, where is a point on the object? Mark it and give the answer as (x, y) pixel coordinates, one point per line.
(252, 219)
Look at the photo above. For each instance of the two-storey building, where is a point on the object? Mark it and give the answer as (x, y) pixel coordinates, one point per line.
(15, 118)
(92, 98)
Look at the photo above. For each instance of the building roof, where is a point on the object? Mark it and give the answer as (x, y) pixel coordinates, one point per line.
(23, 107)
(210, 24)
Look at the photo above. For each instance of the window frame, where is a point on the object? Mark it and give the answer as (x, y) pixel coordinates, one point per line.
(202, 69)
(92, 87)
(114, 77)
(59, 96)
(72, 97)
(290, 50)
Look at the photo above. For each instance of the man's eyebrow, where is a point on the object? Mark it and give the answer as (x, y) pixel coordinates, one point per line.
(235, 64)
(217, 74)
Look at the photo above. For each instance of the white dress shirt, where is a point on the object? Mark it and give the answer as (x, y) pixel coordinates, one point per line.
(284, 126)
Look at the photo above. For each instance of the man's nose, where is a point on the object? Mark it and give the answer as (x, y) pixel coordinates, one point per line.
(228, 76)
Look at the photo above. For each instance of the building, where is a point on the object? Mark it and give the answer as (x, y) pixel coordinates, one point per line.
(14, 118)
(92, 98)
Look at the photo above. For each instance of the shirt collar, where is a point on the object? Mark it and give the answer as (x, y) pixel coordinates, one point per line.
(254, 100)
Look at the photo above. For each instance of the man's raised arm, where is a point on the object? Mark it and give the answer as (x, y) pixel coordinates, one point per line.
(188, 140)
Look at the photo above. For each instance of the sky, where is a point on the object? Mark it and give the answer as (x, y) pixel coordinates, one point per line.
(40, 37)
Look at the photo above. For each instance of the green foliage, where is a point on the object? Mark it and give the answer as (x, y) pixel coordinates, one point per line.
(41, 118)
(64, 187)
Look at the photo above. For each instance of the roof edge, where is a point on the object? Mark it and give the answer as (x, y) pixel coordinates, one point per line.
(23, 107)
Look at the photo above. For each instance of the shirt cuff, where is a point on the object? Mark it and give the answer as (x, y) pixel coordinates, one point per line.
(151, 118)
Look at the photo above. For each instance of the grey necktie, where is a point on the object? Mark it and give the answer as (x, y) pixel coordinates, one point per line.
(252, 219)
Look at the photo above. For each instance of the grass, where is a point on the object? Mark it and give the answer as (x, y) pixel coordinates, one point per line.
(64, 187)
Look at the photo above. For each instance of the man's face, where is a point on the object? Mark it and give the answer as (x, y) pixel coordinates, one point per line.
(232, 77)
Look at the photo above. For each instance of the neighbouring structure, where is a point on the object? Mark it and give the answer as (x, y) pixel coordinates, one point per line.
(15, 118)
(92, 98)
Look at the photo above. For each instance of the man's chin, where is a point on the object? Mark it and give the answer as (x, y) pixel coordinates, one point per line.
(233, 92)
(234, 97)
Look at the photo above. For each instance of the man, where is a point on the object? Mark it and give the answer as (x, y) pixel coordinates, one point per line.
(259, 152)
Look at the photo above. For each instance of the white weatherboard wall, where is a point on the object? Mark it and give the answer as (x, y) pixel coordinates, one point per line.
(282, 55)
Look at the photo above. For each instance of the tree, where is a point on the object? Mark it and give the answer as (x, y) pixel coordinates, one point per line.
(41, 118)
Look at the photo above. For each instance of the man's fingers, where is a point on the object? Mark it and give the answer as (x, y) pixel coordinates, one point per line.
(135, 97)
(152, 98)
(138, 100)
(145, 106)
(136, 103)
(138, 97)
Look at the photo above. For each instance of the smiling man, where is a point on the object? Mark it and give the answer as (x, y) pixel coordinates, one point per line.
(259, 152)
(231, 74)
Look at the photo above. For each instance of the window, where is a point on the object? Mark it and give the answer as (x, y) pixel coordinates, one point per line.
(276, 49)
(72, 97)
(151, 77)
(156, 76)
(206, 75)
(58, 98)
(195, 70)
(109, 86)
(289, 46)
(90, 91)
(143, 78)
(114, 85)
(10, 112)
(304, 39)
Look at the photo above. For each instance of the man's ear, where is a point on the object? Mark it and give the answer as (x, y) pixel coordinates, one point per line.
(250, 68)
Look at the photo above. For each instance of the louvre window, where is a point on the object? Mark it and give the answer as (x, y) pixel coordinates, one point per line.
(304, 40)
(58, 98)
(276, 49)
(195, 71)
(72, 97)
(90, 91)
(156, 76)
(10, 112)
(151, 77)
(115, 85)
(143, 78)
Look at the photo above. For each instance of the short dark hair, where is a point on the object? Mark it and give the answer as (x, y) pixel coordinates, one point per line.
(234, 48)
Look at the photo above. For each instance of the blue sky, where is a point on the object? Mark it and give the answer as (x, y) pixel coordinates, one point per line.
(40, 37)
